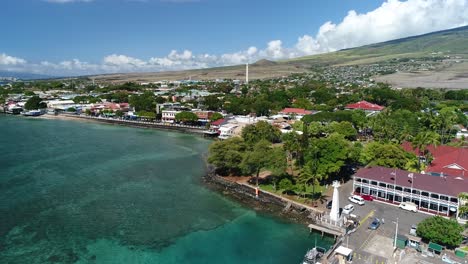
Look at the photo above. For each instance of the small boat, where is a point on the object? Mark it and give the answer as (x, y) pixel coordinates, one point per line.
(32, 113)
(313, 255)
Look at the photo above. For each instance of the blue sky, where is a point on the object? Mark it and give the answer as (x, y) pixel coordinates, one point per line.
(64, 37)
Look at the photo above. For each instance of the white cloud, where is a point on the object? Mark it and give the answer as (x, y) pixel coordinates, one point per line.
(393, 19)
(10, 60)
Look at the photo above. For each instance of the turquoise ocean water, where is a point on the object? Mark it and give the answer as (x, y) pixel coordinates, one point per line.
(76, 192)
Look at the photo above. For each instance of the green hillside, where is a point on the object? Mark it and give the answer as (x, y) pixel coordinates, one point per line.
(449, 42)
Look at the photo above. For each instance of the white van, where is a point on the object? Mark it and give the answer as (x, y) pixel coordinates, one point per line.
(356, 199)
(409, 206)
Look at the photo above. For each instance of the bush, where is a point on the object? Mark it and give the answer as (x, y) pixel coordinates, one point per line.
(441, 231)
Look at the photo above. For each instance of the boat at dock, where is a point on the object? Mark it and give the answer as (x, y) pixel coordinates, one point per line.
(314, 255)
(32, 113)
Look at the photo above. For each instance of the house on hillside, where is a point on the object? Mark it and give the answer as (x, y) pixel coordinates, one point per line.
(227, 131)
(368, 108)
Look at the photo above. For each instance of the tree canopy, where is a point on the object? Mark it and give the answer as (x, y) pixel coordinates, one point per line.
(34, 102)
(388, 155)
(227, 155)
(253, 134)
(186, 117)
(441, 231)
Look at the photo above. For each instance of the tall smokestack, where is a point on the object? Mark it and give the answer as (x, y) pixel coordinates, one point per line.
(247, 73)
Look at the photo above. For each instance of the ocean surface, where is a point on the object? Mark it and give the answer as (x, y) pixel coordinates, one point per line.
(78, 192)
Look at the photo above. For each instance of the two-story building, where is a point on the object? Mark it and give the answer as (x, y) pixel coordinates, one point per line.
(432, 194)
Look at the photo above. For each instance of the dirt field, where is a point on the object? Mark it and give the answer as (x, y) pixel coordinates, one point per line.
(256, 71)
(454, 77)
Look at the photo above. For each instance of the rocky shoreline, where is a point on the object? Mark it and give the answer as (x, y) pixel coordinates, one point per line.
(264, 203)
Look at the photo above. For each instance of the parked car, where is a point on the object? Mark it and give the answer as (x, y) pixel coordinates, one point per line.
(329, 204)
(367, 197)
(413, 230)
(409, 206)
(356, 199)
(375, 224)
(348, 209)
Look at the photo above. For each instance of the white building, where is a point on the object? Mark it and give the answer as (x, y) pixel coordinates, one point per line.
(227, 131)
(168, 116)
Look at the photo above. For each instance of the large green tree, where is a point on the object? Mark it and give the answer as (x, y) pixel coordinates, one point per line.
(257, 159)
(441, 231)
(227, 155)
(216, 116)
(254, 133)
(186, 117)
(387, 155)
(145, 102)
(34, 102)
(344, 128)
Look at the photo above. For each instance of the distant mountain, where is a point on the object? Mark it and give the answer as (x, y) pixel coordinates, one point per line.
(24, 75)
(446, 42)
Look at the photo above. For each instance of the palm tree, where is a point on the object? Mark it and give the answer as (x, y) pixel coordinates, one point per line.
(422, 140)
(464, 203)
(309, 175)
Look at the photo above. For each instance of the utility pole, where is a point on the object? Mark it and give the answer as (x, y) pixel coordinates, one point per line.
(396, 233)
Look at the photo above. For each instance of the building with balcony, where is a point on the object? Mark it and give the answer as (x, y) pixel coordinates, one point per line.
(432, 194)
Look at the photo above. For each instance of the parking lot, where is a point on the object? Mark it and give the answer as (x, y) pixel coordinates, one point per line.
(376, 246)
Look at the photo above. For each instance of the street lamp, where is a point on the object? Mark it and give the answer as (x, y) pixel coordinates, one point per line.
(396, 233)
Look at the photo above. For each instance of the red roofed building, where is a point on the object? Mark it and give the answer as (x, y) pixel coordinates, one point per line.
(366, 106)
(447, 160)
(432, 194)
(297, 113)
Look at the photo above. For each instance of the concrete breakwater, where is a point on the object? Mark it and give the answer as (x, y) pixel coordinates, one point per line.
(197, 130)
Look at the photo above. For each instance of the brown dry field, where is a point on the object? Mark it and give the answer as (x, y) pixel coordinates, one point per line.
(453, 77)
(233, 72)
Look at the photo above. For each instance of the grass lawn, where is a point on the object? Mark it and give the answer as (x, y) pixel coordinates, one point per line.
(297, 198)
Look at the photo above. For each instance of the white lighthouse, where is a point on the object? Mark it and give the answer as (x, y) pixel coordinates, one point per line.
(335, 209)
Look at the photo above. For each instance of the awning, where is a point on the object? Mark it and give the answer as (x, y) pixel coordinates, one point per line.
(414, 238)
(343, 251)
(435, 247)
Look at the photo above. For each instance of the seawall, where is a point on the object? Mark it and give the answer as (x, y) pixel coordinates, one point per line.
(265, 202)
(196, 130)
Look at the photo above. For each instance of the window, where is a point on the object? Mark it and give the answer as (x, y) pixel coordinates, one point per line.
(433, 206)
(390, 186)
(425, 194)
(408, 190)
(424, 204)
(381, 184)
(358, 180)
(415, 192)
(365, 181)
(373, 182)
(434, 195)
(398, 188)
(454, 200)
(442, 197)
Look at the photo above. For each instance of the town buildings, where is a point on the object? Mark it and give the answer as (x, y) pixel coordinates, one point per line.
(432, 194)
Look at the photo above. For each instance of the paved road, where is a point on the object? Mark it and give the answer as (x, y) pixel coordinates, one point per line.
(365, 241)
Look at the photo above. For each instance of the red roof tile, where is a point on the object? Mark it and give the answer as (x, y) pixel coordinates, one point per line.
(364, 105)
(218, 122)
(443, 185)
(448, 160)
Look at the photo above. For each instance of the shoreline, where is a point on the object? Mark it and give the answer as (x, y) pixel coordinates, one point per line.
(199, 131)
(264, 203)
